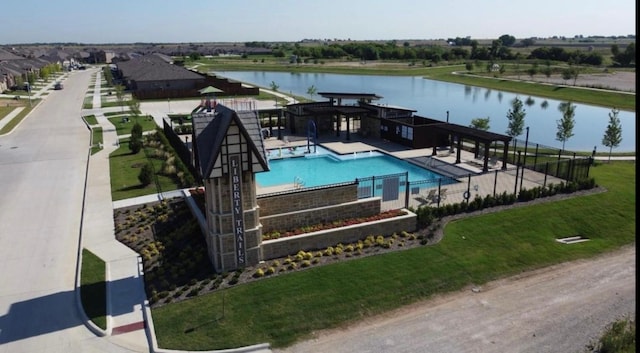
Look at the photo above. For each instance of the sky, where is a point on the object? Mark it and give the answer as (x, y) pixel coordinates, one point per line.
(183, 21)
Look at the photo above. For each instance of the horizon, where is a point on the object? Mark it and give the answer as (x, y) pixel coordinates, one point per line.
(310, 40)
(241, 21)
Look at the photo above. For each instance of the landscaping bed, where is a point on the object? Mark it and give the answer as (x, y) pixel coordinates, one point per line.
(176, 264)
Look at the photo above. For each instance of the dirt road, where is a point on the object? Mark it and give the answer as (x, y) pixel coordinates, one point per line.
(557, 309)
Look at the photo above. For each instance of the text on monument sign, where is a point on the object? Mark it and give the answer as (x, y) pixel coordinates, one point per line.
(236, 200)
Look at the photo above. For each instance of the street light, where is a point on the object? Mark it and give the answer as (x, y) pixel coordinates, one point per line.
(29, 92)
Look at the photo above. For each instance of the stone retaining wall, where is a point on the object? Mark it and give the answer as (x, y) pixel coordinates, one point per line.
(320, 240)
(307, 217)
(307, 199)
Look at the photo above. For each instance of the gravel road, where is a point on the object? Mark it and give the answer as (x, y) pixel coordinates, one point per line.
(561, 308)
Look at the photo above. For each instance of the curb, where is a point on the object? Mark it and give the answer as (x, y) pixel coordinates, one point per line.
(87, 322)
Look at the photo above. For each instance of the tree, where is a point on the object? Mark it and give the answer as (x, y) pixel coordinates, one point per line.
(567, 74)
(120, 95)
(274, 86)
(615, 49)
(507, 40)
(146, 174)
(136, 131)
(516, 120)
(480, 123)
(613, 134)
(311, 91)
(527, 42)
(567, 123)
(469, 66)
(135, 145)
(134, 106)
(532, 71)
(626, 58)
(135, 141)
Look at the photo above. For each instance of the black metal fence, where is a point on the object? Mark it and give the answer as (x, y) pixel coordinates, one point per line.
(397, 191)
(181, 149)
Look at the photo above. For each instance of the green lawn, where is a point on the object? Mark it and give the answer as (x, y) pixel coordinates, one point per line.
(18, 118)
(124, 128)
(125, 168)
(287, 308)
(88, 102)
(91, 119)
(96, 137)
(123, 112)
(622, 101)
(93, 289)
(4, 111)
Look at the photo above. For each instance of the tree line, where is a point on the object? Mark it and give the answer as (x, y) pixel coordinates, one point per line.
(458, 49)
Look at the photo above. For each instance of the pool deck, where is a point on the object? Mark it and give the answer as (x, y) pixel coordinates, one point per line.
(468, 169)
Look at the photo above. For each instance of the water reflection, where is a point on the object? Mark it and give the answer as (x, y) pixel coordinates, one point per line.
(433, 98)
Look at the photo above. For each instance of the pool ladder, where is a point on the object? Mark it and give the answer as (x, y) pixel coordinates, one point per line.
(298, 182)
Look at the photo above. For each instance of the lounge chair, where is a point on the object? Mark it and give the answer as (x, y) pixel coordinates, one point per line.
(431, 196)
(442, 195)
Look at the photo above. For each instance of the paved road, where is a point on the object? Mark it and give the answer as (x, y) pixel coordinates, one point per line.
(557, 309)
(42, 174)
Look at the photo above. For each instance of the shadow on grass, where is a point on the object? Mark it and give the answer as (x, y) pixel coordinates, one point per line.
(133, 187)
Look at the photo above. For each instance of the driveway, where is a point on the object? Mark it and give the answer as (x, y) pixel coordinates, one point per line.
(42, 174)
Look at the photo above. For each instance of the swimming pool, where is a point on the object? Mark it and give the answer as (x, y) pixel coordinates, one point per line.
(294, 165)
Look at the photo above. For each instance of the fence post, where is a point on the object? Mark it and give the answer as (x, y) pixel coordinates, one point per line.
(546, 172)
(515, 187)
(495, 184)
(439, 187)
(468, 188)
(406, 190)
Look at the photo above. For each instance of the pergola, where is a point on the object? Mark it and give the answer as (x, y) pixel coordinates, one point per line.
(486, 138)
(347, 111)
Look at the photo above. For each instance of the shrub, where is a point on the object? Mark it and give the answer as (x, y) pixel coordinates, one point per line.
(271, 270)
(259, 273)
(135, 145)
(146, 174)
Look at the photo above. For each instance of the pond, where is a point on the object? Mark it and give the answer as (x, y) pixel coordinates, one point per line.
(433, 99)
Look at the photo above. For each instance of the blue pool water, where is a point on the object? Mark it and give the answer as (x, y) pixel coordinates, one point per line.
(325, 167)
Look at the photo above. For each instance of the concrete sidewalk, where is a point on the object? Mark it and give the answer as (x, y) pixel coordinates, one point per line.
(129, 322)
(10, 116)
(125, 286)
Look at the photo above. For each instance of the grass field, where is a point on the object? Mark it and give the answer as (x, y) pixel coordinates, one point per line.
(93, 290)
(124, 127)
(287, 308)
(91, 119)
(18, 118)
(125, 168)
(96, 139)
